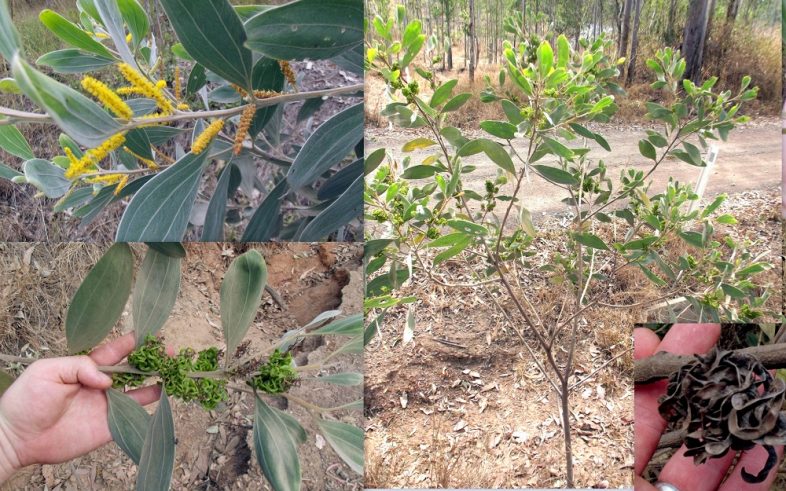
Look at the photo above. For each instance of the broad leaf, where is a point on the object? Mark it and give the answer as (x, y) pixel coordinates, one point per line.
(343, 210)
(345, 378)
(160, 210)
(73, 61)
(346, 440)
(590, 240)
(128, 422)
(112, 18)
(213, 35)
(155, 292)
(241, 294)
(213, 230)
(315, 29)
(89, 321)
(158, 452)
(171, 249)
(71, 34)
(266, 219)
(82, 119)
(8, 173)
(338, 183)
(12, 141)
(442, 94)
(492, 149)
(47, 177)
(136, 19)
(327, 146)
(349, 326)
(556, 175)
(9, 37)
(275, 448)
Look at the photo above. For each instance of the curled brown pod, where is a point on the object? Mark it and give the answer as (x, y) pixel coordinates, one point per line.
(725, 401)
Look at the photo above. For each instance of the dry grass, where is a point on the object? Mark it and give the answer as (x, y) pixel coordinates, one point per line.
(38, 282)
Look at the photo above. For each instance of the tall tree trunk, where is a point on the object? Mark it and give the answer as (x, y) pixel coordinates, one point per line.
(694, 37)
(728, 26)
(622, 47)
(448, 35)
(472, 46)
(634, 42)
(708, 35)
(523, 18)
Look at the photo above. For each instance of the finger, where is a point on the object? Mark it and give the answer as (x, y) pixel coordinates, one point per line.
(113, 352)
(79, 370)
(648, 424)
(753, 461)
(684, 474)
(643, 485)
(145, 395)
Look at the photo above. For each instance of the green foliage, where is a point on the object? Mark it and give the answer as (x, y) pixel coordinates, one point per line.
(275, 376)
(119, 155)
(549, 95)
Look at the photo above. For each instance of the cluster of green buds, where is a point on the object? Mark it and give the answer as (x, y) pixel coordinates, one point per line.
(275, 376)
(176, 373)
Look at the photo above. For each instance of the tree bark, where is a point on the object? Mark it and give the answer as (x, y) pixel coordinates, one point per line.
(670, 36)
(472, 46)
(694, 38)
(622, 48)
(448, 34)
(634, 42)
(710, 15)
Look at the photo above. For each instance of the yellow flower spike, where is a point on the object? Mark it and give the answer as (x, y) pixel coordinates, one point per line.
(107, 97)
(243, 126)
(183, 107)
(204, 139)
(121, 184)
(240, 90)
(128, 38)
(101, 35)
(289, 74)
(265, 94)
(93, 156)
(71, 157)
(127, 91)
(146, 88)
(149, 163)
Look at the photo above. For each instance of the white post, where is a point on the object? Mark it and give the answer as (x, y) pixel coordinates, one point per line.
(704, 177)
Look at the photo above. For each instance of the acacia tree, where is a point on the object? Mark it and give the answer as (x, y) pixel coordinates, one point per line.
(236, 80)
(548, 98)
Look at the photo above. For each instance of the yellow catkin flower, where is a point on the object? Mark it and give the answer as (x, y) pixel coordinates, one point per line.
(127, 91)
(107, 97)
(183, 107)
(178, 85)
(243, 126)
(128, 38)
(265, 94)
(71, 157)
(204, 139)
(101, 35)
(146, 88)
(120, 179)
(289, 74)
(93, 156)
(240, 90)
(149, 163)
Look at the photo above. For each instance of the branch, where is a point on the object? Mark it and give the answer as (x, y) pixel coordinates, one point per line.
(661, 365)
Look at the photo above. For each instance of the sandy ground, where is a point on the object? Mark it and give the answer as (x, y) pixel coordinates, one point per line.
(214, 448)
(749, 160)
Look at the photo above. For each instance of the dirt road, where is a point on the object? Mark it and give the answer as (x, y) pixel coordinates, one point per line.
(749, 160)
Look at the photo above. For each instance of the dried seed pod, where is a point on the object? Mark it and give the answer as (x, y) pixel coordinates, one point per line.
(726, 401)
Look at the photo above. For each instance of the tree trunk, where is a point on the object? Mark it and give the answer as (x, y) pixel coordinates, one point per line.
(622, 46)
(728, 26)
(694, 38)
(634, 42)
(448, 34)
(708, 35)
(472, 46)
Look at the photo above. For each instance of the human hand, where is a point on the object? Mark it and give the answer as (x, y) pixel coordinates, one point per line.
(57, 409)
(680, 471)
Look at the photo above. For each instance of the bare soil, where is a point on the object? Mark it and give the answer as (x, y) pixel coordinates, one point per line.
(749, 160)
(214, 449)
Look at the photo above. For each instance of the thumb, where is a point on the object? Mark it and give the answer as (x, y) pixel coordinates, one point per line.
(83, 370)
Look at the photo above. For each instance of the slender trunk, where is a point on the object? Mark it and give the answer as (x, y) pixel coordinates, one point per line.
(448, 35)
(694, 38)
(710, 15)
(622, 47)
(565, 403)
(634, 42)
(472, 47)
